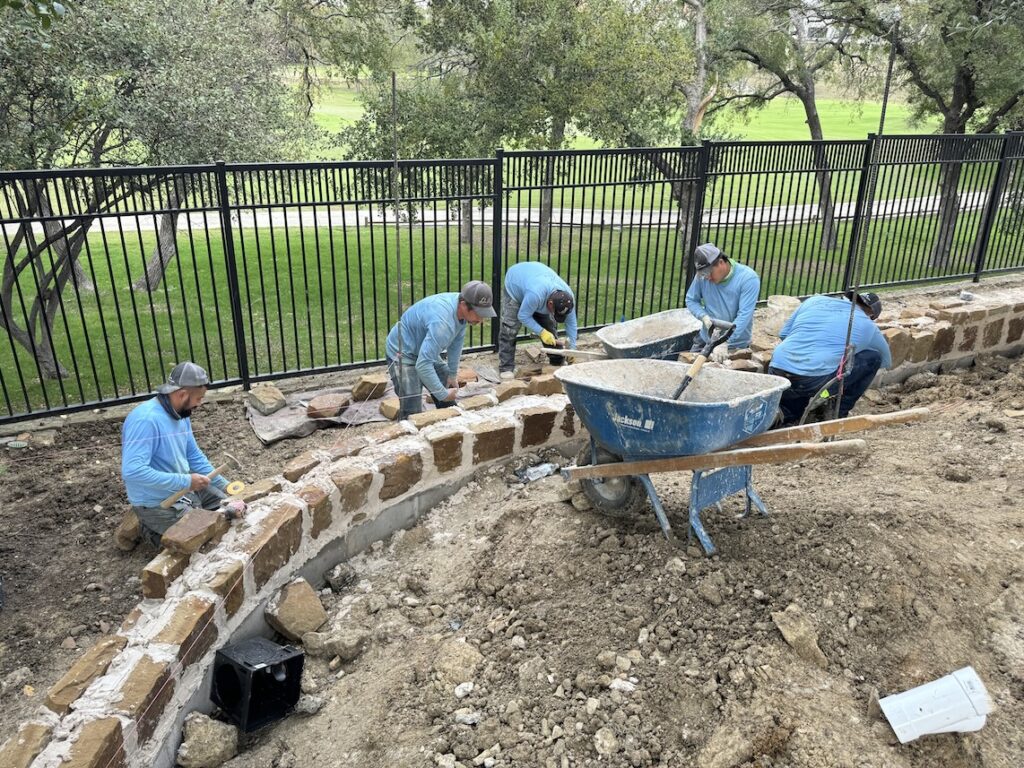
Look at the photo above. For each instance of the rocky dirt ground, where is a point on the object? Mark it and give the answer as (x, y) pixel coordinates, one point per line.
(511, 629)
(591, 641)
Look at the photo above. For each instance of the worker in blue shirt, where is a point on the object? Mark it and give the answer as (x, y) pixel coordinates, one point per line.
(535, 296)
(432, 326)
(723, 290)
(159, 454)
(813, 341)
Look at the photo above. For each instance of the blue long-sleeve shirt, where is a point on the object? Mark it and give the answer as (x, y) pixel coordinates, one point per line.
(430, 327)
(158, 455)
(815, 334)
(733, 299)
(529, 283)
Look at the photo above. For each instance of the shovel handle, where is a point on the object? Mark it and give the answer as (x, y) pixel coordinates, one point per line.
(177, 495)
(723, 330)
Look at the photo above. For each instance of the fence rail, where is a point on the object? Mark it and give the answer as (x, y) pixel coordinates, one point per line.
(261, 271)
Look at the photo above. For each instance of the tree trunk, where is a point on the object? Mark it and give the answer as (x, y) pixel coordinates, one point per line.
(696, 99)
(465, 221)
(822, 174)
(951, 158)
(547, 194)
(166, 240)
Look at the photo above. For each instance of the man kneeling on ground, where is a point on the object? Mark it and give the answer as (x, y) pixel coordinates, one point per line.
(812, 347)
(160, 456)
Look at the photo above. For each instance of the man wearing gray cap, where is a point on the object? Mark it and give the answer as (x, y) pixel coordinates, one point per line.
(723, 290)
(159, 454)
(432, 326)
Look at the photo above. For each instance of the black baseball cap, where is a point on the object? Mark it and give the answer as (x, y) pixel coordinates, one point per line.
(562, 304)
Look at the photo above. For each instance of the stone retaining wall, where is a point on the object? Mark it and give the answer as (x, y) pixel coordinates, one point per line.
(121, 700)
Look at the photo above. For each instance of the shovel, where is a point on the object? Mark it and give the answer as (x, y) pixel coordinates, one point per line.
(723, 330)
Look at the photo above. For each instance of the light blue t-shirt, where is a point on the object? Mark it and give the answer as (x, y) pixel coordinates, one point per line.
(158, 455)
(733, 299)
(430, 327)
(814, 337)
(529, 283)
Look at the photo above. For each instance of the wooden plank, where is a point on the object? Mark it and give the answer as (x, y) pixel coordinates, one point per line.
(777, 454)
(587, 353)
(834, 427)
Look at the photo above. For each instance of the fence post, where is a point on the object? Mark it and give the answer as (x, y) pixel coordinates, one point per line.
(703, 160)
(858, 211)
(232, 268)
(497, 225)
(992, 208)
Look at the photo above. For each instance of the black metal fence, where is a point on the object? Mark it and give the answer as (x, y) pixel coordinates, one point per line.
(263, 271)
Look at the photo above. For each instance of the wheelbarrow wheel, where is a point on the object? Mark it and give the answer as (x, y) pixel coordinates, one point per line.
(621, 497)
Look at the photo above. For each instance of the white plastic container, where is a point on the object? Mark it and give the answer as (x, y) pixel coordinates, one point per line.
(957, 702)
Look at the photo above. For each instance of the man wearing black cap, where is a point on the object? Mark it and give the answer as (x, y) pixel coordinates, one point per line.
(535, 296)
(159, 454)
(813, 343)
(432, 326)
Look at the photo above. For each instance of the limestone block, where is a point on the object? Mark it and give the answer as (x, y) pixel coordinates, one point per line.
(145, 693)
(798, 631)
(745, 365)
(401, 470)
(319, 504)
(1014, 330)
(447, 448)
(741, 354)
(353, 482)
(228, 584)
(21, 749)
(508, 389)
(466, 375)
(195, 528)
(920, 346)
(88, 667)
(259, 489)
(131, 619)
(191, 628)
(275, 541)
(328, 406)
(348, 644)
(764, 359)
(969, 340)
(426, 418)
(207, 742)
(492, 440)
(476, 403)
(388, 433)
(370, 386)
(945, 335)
(266, 398)
(947, 303)
(899, 344)
(299, 466)
(389, 408)
(296, 610)
(545, 384)
(99, 744)
(993, 333)
(538, 422)
(128, 532)
(348, 446)
(161, 572)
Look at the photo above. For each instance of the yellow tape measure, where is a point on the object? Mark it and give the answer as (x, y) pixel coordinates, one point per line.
(235, 488)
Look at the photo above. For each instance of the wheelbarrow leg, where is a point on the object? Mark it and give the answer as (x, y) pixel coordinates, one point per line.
(752, 496)
(659, 511)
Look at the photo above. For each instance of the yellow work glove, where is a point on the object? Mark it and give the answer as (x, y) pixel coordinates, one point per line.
(548, 338)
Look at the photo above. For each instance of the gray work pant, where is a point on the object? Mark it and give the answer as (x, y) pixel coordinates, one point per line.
(409, 388)
(510, 326)
(154, 521)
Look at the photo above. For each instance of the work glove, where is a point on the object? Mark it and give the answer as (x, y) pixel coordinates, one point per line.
(547, 337)
(233, 509)
(720, 354)
(708, 322)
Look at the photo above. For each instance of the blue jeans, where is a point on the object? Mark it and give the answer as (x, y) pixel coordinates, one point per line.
(803, 388)
(409, 388)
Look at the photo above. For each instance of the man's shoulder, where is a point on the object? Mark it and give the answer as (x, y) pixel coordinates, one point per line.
(747, 273)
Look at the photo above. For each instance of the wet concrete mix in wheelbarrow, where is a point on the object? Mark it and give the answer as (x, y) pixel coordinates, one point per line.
(510, 628)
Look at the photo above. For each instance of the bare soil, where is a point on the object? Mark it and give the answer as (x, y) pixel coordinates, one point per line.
(908, 561)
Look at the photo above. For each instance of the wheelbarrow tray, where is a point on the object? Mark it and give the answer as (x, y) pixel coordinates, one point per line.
(662, 335)
(627, 406)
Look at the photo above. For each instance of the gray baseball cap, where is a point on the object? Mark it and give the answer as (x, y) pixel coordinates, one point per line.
(186, 374)
(704, 256)
(478, 295)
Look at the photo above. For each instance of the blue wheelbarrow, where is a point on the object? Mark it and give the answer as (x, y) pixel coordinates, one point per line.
(637, 428)
(661, 336)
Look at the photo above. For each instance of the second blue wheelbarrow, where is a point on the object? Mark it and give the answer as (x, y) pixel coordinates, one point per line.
(637, 428)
